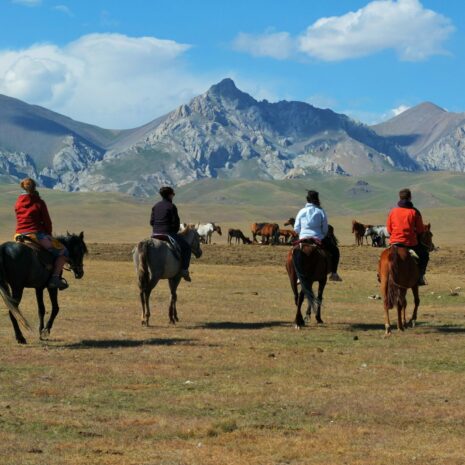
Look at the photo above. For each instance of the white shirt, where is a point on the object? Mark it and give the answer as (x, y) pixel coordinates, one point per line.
(311, 221)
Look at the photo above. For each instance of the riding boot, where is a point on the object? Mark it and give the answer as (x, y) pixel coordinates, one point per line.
(57, 282)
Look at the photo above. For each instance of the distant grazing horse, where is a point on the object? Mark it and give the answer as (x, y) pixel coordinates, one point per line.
(154, 260)
(288, 235)
(206, 231)
(380, 232)
(22, 266)
(270, 233)
(398, 272)
(238, 235)
(358, 229)
(315, 267)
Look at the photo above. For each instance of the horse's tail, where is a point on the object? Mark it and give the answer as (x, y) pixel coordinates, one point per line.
(9, 301)
(142, 266)
(393, 270)
(303, 278)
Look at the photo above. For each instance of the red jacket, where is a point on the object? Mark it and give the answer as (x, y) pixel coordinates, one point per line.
(32, 215)
(404, 225)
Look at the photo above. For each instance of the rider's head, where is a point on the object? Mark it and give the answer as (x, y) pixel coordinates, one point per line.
(313, 197)
(29, 185)
(405, 194)
(167, 192)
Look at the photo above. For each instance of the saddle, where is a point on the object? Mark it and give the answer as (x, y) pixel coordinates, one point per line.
(172, 244)
(412, 252)
(45, 257)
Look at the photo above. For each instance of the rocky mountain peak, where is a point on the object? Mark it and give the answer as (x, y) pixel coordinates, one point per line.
(226, 90)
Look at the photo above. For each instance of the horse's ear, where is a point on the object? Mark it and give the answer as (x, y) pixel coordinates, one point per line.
(67, 233)
(428, 226)
(81, 235)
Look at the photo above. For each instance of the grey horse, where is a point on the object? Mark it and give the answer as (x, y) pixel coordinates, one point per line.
(155, 260)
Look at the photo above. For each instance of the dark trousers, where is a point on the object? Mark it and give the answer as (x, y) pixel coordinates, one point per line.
(185, 250)
(333, 250)
(423, 255)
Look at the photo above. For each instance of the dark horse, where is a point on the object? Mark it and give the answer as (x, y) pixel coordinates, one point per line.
(398, 271)
(314, 267)
(22, 267)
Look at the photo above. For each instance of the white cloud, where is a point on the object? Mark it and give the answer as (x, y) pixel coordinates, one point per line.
(27, 2)
(108, 79)
(400, 109)
(63, 9)
(279, 45)
(405, 26)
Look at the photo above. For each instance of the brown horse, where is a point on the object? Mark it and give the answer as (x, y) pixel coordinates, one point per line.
(287, 235)
(290, 222)
(398, 271)
(358, 229)
(315, 267)
(268, 231)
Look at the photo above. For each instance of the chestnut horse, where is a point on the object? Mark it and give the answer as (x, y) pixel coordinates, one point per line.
(398, 271)
(315, 267)
(358, 229)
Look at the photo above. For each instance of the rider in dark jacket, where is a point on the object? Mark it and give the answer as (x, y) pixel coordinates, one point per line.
(165, 220)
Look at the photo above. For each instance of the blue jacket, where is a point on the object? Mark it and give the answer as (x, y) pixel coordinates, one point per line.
(311, 221)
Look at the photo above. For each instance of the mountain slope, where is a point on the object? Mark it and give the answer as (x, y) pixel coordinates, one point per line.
(434, 137)
(226, 134)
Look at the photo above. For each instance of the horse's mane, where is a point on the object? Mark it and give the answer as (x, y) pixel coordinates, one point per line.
(70, 239)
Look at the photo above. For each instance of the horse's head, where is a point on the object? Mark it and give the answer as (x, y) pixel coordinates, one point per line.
(353, 225)
(193, 239)
(290, 222)
(76, 249)
(218, 229)
(426, 237)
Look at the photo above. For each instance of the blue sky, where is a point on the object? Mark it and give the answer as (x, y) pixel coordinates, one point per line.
(123, 63)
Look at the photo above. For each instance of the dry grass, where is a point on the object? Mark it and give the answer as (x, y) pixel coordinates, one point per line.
(234, 382)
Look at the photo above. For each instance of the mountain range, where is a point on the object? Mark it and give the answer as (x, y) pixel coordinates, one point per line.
(223, 133)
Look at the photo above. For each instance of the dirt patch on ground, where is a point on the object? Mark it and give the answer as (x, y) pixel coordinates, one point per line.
(445, 259)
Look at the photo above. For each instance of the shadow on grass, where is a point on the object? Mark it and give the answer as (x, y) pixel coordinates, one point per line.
(117, 343)
(242, 325)
(424, 326)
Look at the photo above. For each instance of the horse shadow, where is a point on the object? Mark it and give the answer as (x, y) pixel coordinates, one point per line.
(126, 343)
(446, 328)
(242, 325)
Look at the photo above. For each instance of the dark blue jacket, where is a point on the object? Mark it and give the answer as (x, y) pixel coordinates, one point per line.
(165, 218)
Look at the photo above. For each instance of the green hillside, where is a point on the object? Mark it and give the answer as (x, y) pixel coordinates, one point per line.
(113, 217)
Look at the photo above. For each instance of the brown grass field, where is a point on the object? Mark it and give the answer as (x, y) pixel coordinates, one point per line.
(234, 382)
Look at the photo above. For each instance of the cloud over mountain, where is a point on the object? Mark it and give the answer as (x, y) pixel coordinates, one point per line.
(111, 79)
(404, 26)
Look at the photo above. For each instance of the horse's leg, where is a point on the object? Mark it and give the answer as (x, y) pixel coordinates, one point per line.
(416, 301)
(384, 292)
(173, 313)
(142, 301)
(311, 303)
(402, 301)
(299, 321)
(40, 308)
(53, 294)
(321, 288)
(17, 294)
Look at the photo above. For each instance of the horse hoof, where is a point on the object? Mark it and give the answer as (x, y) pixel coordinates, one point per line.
(44, 334)
(21, 341)
(143, 323)
(320, 321)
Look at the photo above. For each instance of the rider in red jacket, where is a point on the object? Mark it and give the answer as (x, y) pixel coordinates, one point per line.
(32, 218)
(404, 225)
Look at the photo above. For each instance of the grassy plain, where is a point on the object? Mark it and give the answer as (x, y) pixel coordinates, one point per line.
(234, 382)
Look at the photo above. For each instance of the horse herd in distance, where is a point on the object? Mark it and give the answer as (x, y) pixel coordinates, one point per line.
(273, 234)
(270, 233)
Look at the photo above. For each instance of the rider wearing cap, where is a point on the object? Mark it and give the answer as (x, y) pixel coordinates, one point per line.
(404, 225)
(312, 223)
(33, 220)
(165, 221)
